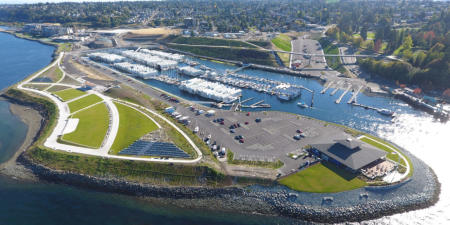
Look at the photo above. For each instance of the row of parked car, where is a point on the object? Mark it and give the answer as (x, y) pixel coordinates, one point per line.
(169, 98)
(299, 135)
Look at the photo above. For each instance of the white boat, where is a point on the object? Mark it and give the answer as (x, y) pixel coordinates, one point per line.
(283, 97)
(302, 104)
(386, 112)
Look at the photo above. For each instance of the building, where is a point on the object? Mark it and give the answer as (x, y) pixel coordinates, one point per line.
(354, 154)
(47, 29)
(188, 22)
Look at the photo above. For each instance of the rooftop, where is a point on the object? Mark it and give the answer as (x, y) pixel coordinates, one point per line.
(352, 153)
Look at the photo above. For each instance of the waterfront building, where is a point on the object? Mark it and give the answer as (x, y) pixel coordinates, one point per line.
(353, 154)
(211, 90)
(106, 57)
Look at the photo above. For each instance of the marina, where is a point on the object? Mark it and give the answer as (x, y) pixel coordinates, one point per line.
(274, 90)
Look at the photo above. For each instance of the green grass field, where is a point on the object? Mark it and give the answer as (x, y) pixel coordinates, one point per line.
(393, 157)
(333, 62)
(69, 94)
(210, 41)
(57, 88)
(132, 126)
(282, 42)
(84, 102)
(92, 127)
(245, 55)
(322, 178)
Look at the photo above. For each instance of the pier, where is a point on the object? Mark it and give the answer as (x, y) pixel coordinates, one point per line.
(326, 88)
(240, 68)
(246, 100)
(355, 94)
(345, 92)
(256, 103)
(365, 106)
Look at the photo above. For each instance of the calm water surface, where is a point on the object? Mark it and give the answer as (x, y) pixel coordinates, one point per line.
(26, 203)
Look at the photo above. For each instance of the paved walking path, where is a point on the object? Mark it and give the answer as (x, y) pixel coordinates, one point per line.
(394, 176)
(64, 115)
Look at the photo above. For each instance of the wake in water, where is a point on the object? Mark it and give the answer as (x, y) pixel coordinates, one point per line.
(429, 140)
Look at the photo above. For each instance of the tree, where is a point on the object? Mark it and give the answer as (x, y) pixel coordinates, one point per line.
(377, 45)
(407, 43)
(364, 33)
(370, 44)
(357, 41)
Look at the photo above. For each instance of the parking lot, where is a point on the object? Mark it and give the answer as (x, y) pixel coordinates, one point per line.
(269, 140)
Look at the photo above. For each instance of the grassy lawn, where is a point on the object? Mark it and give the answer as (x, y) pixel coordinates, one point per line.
(83, 102)
(132, 126)
(333, 62)
(54, 73)
(244, 55)
(143, 172)
(322, 178)
(264, 44)
(210, 41)
(370, 35)
(92, 127)
(282, 42)
(57, 88)
(69, 94)
(36, 86)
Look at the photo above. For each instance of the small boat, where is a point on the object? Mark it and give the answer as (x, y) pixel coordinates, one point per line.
(386, 112)
(283, 97)
(302, 104)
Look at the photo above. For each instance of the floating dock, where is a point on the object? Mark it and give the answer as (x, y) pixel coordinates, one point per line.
(345, 92)
(355, 94)
(326, 88)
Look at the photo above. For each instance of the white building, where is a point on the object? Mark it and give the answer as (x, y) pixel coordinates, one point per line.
(137, 70)
(190, 71)
(106, 57)
(211, 90)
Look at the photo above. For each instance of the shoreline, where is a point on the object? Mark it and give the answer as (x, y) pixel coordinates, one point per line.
(247, 200)
(32, 119)
(244, 199)
(235, 198)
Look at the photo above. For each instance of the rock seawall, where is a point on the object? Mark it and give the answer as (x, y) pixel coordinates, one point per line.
(246, 200)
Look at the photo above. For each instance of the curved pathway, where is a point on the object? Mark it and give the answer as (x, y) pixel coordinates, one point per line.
(395, 177)
(64, 114)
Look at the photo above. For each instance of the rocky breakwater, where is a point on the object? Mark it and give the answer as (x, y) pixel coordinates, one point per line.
(263, 200)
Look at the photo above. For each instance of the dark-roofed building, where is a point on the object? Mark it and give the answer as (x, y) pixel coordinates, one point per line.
(352, 153)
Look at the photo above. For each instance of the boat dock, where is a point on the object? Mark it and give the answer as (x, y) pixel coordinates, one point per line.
(246, 100)
(345, 92)
(365, 106)
(326, 88)
(355, 94)
(256, 103)
(240, 68)
(334, 91)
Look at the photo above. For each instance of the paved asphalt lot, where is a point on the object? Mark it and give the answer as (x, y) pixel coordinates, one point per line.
(269, 140)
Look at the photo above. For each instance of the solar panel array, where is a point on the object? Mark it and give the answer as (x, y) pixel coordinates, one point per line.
(147, 148)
